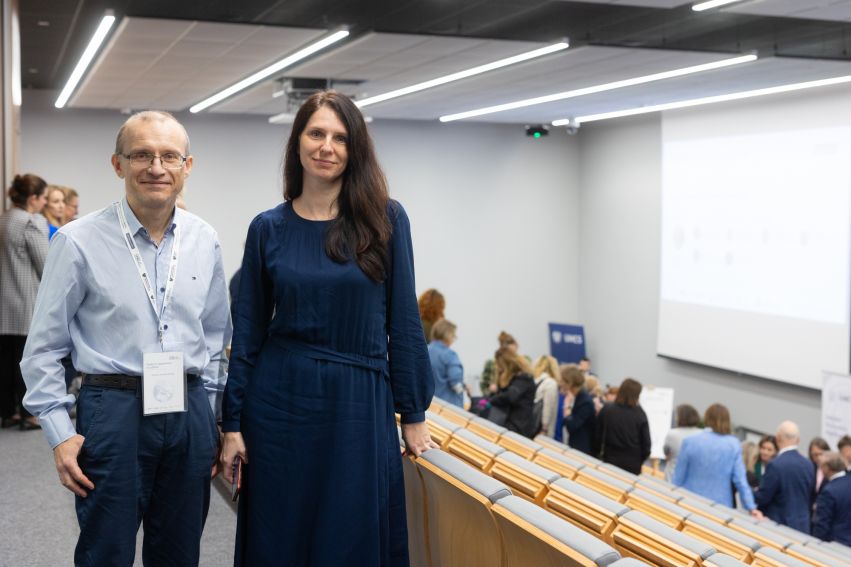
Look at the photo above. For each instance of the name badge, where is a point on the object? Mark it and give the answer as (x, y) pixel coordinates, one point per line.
(163, 383)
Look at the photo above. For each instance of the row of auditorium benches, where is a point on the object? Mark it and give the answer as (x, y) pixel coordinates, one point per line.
(489, 497)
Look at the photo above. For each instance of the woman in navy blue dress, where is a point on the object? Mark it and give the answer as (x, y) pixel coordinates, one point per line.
(327, 344)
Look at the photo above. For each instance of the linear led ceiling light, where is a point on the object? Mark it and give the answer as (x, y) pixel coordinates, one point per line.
(711, 4)
(704, 100)
(86, 59)
(464, 74)
(287, 61)
(600, 88)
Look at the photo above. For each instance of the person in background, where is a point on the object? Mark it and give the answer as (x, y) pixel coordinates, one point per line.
(23, 250)
(445, 364)
(54, 210)
(432, 305)
(787, 488)
(513, 393)
(710, 463)
(844, 448)
(622, 432)
(610, 395)
(592, 386)
(585, 366)
(578, 409)
(72, 204)
(767, 452)
(832, 521)
(818, 447)
(489, 372)
(546, 391)
(686, 424)
(750, 455)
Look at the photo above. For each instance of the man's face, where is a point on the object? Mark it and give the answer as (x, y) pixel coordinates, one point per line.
(149, 184)
(71, 208)
(846, 455)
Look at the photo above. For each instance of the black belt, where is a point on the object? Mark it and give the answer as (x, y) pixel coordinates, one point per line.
(121, 381)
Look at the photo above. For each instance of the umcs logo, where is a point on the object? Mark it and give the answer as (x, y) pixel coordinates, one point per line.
(559, 338)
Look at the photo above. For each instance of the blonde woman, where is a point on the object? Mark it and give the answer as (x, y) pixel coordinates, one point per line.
(513, 393)
(54, 210)
(546, 392)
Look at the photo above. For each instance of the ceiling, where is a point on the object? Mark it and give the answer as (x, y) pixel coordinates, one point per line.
(170, 55)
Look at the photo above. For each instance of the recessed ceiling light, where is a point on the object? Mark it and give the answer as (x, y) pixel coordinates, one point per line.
(600, 88)
(43, 24)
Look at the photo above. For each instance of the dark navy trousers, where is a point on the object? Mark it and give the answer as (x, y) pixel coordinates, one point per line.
(146, 469)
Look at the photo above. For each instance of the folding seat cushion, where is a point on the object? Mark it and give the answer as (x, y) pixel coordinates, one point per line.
(551, 443)
(437, 405)
(566, 466)
(765, 536)
(658, 487)
(473, 449)
(440, 429)
(519, 444)
(456, 415)
(584, 457)
(713, 513)
(533, 536)
(525, 478)
(693, 496)
(771, 557)
(792, 534)
(618, 473)
(813, 555)
(657, 508)
(584, 508)
(726, 540)
(603, 483)
(640, 536)
(722, 560)
(629, 562)
(486, 429)
(833, 548)
(460, 529)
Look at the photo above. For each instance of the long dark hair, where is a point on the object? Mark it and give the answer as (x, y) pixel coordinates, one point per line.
(362, 228)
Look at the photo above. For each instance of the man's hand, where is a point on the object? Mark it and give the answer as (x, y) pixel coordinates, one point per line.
(417, 439)
(70, 475)
(233, 445)
(755, 513)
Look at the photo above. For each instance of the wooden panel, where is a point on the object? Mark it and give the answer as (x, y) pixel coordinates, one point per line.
(415, 505)
(566, 470)
(581, 513)
(633, 541)
(722, 544)
(470, 453)
(667, 517)
(595, 483)
(521, 482)
(517, 447)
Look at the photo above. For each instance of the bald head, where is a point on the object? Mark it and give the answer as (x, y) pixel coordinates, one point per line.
(788, 434)
(143, 117)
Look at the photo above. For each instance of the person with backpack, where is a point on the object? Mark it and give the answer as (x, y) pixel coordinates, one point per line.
(512, 399)
(578, 410)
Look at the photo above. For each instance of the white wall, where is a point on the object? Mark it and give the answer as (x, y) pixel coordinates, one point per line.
(493, 213)
(620, 208)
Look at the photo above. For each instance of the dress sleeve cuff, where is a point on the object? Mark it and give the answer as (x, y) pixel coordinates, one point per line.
(230, 426)
(417, 417)
(57, 426)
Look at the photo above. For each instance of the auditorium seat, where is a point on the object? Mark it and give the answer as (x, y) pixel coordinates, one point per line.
(551, 443)
(657, 508)
(440, 429)
(629, 562)
(618, 473)
(763, 535)
(473, 449)
(689, 494)
(584, 508)
(523, 477)
(461, 531)
(709, 512)
(456, 415)
(558, 462)
(603, 483)
(834, 549)
(437, 405)
(486, 429)
(722, 560)
(658, 487)
(584, 457)
(771, 557)
(415, 506)
(637, 535)
(651, 472)
(723, 539)
(791, 534)
(811, 555)
(533, 536)
(519, 444)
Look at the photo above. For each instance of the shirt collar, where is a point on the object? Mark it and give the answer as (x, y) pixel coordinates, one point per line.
(840, 474)
(134, 224)
(787, 449)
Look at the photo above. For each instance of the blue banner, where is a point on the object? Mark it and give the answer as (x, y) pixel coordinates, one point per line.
(567, 343)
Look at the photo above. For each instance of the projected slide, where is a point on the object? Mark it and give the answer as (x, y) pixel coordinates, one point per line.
(755, 252)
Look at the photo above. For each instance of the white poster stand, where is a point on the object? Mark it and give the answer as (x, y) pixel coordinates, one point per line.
(835, 406)
(658, 404)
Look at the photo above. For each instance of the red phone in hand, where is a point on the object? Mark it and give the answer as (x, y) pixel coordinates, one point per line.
(236, 478)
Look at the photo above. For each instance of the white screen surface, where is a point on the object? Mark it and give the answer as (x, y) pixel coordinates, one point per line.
(755, 247)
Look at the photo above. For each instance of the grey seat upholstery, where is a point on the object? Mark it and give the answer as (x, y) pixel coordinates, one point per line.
(519, 444)
(668, 507)
(583, 543)
(782, 558)
(809, 552)
(655, 484)
(460, 412)
(629, 562)
(489, 425)
(566, 460)
(738, 537)
(717, 513)
(583, 456)
(722, 560)
(442, 421)
(479, 482)
(607, 479)
(551, 443)
(592, 496)
(529, 467)
(760, 532)
(474, 439)
(617, 471)
(694, 545)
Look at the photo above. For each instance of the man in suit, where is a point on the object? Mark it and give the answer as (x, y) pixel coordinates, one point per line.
(844, 448)
(832, 520)
(786, 492)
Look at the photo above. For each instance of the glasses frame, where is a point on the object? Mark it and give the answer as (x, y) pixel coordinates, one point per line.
(154, 156)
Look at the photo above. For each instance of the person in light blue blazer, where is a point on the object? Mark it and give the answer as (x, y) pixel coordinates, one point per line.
(445, 364)
(710, 463)
(788, 485)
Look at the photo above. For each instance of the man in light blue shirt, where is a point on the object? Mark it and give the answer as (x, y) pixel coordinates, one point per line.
(122, 288)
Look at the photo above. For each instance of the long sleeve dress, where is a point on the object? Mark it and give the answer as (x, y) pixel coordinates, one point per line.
(322, 356)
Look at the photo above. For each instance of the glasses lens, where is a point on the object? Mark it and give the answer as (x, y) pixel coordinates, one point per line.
(169, 160)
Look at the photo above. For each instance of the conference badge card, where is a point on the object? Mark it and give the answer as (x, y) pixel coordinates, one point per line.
(163, 383)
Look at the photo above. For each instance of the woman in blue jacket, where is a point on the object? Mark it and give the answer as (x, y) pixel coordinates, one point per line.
(445, 364)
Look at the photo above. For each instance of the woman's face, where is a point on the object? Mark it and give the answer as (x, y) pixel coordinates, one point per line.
(35, 203)
(323, 147)
(766, 452)
(815, 453)
(56, 205)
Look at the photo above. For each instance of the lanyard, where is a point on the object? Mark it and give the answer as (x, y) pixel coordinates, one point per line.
(143, 272)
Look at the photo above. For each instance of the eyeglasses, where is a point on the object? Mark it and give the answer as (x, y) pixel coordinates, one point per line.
(169, 160)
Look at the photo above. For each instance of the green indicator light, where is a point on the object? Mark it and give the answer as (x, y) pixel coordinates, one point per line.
(536, 135)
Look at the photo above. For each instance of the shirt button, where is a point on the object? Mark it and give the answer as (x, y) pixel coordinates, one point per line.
(165, 327)
(162, 289)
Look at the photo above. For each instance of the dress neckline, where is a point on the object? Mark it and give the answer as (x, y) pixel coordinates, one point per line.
(291, 212)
